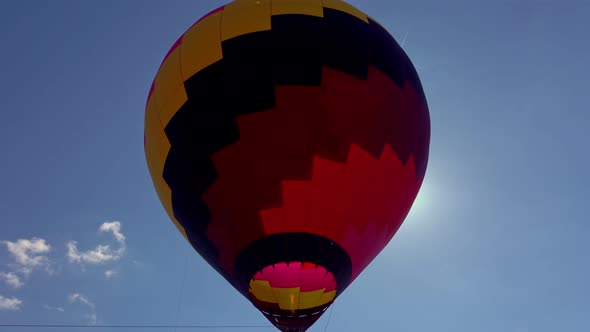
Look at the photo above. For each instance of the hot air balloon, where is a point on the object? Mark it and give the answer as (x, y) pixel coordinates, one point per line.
(287, 141)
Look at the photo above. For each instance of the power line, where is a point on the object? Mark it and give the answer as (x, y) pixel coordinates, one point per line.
(61, 326)
(329, 317)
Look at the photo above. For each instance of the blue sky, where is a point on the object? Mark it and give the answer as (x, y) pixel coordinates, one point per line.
(497, 240)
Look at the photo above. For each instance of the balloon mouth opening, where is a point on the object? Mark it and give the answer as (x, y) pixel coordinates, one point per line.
(293, 289)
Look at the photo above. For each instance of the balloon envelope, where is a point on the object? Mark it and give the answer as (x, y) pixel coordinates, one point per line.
(287, 140)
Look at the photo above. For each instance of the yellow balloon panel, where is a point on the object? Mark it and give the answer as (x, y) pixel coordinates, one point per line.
(165, 195)
(157, 145)
(173, 101)
(201, 45)
(262, 291)
(345, 7)
(156, 149)
(327, 297)
(244, 16)
(288, 298)
(304, 7)
(311, 299)
(169, 74)
(169, 87)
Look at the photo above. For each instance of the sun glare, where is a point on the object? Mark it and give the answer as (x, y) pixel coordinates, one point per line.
(423, 202)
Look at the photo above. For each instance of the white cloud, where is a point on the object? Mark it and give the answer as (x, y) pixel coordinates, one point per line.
(91, 317)
(82, 299)
(11, 304)
(12, 279)
(77, 297)
(115, 228)
(48, 307)
(29, 254)
(102, 253)
(110, 273)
